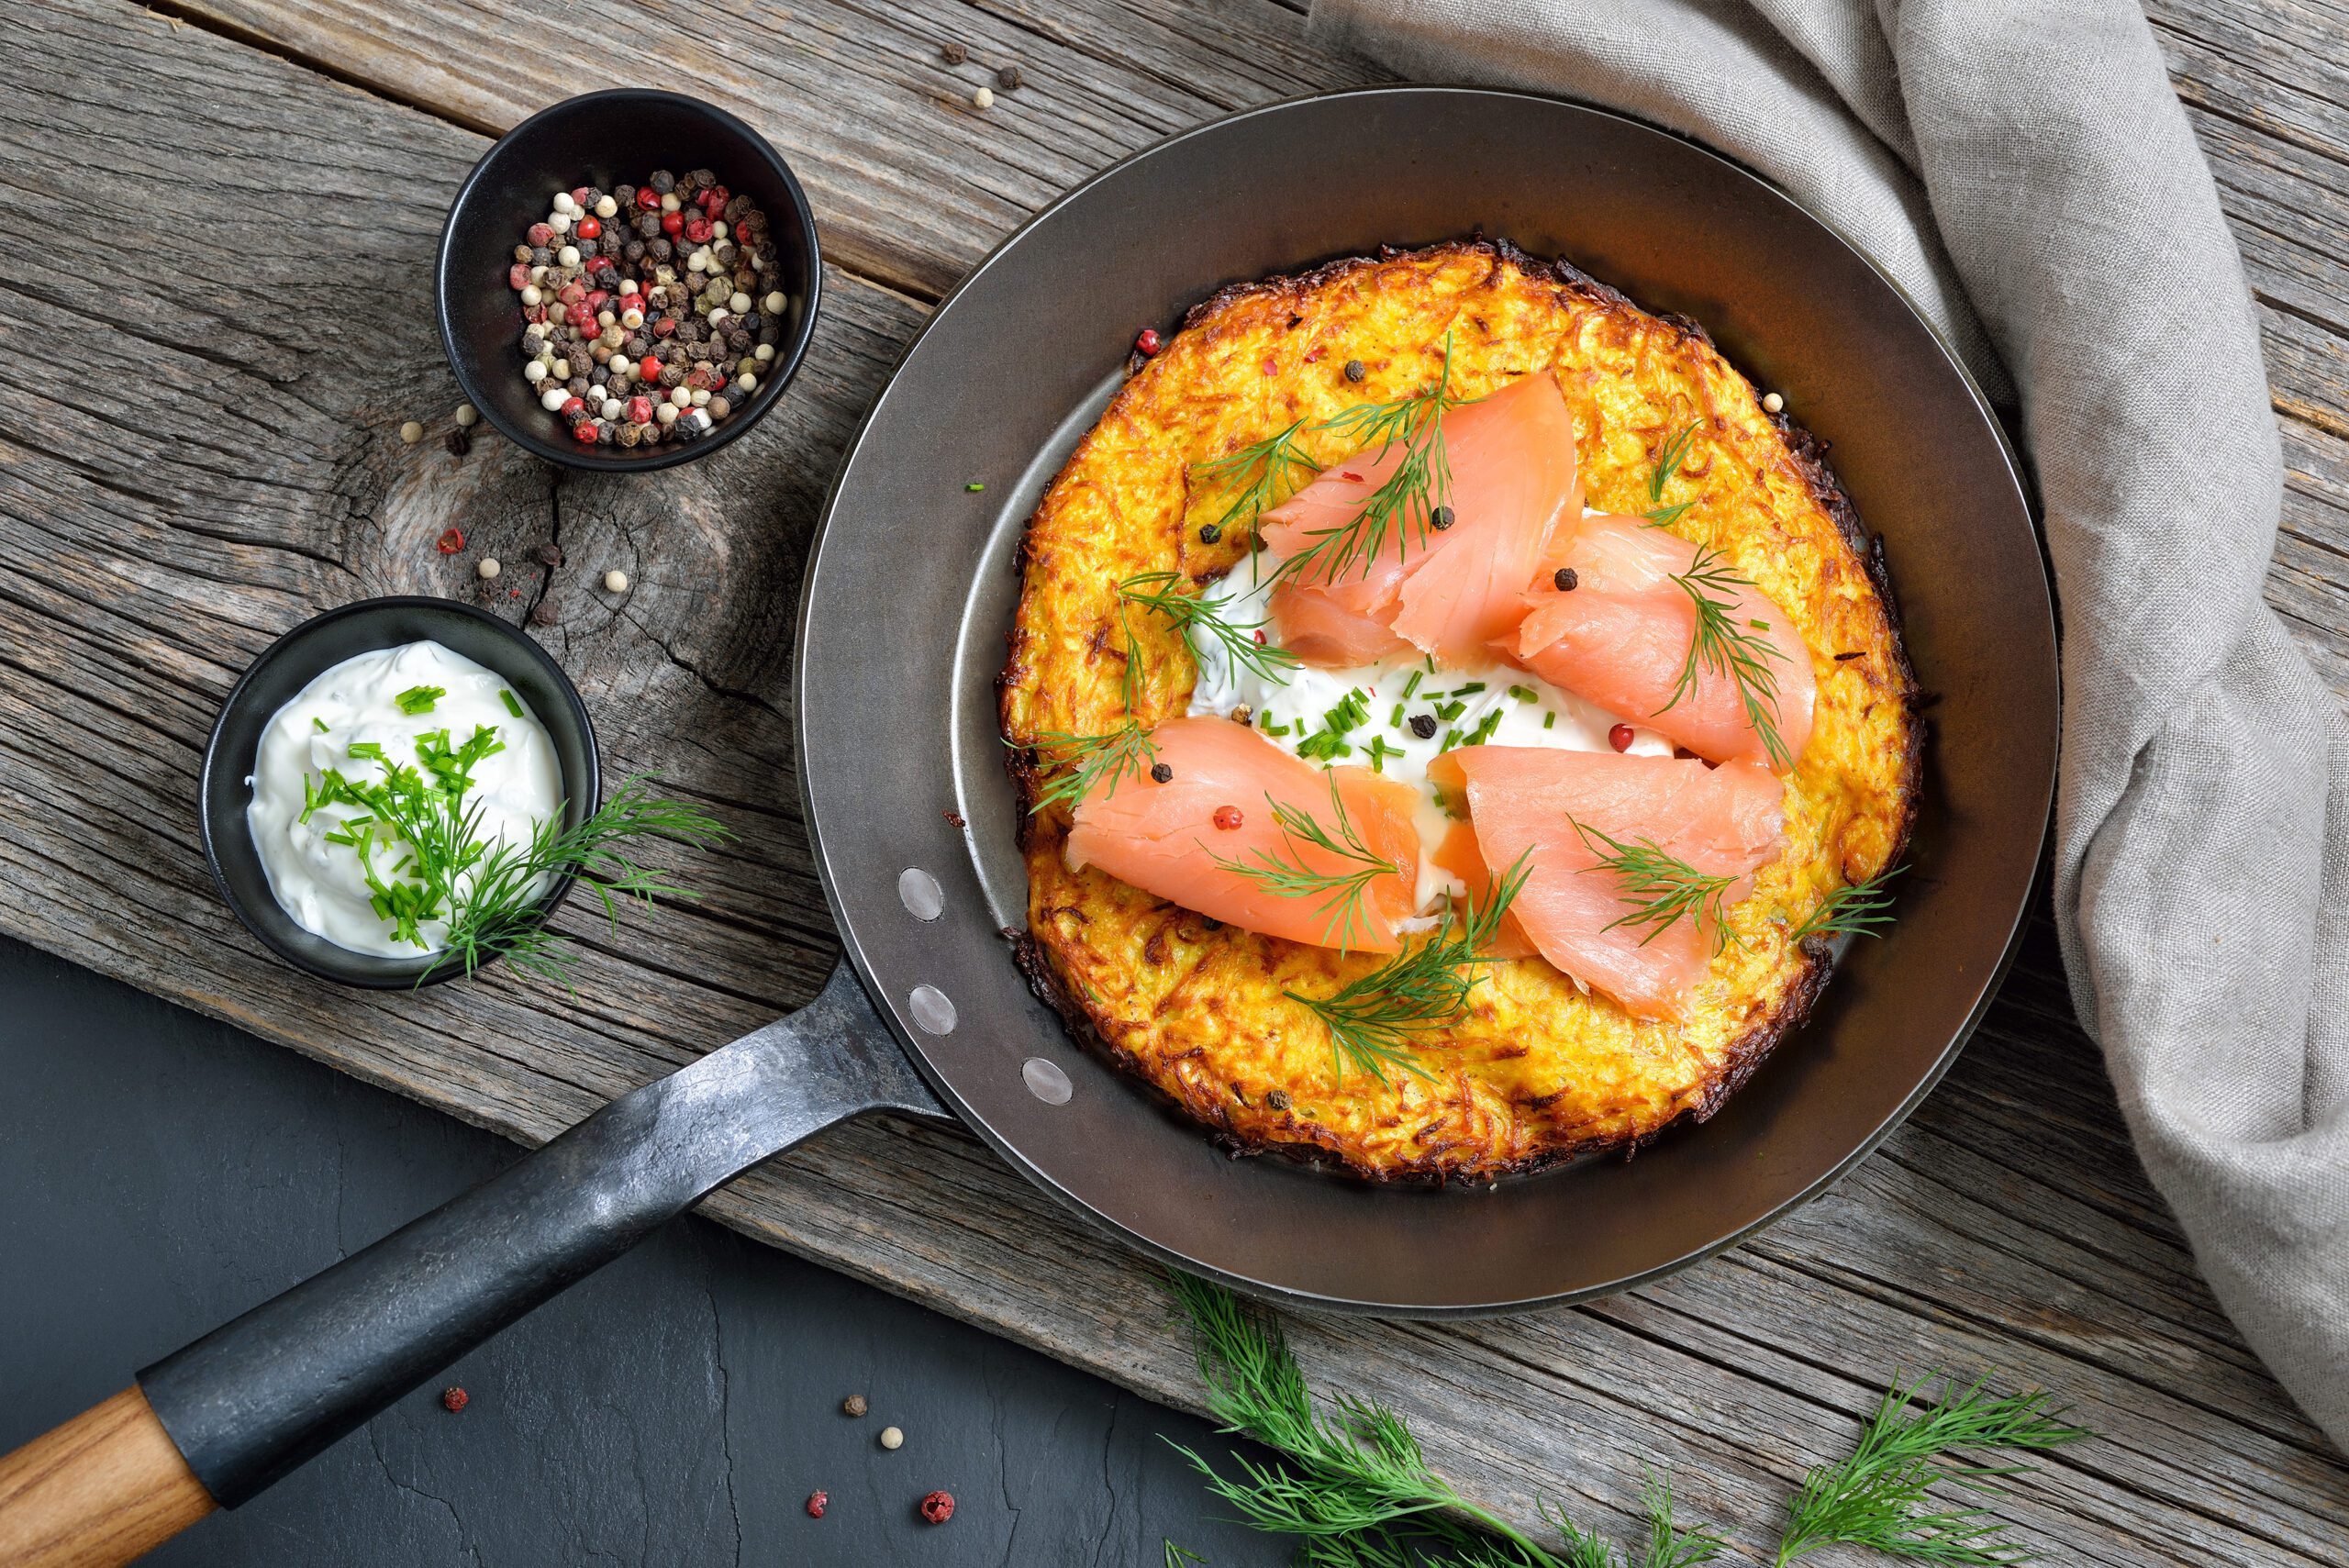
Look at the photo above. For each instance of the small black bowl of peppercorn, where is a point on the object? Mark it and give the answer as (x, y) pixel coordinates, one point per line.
(627, 280)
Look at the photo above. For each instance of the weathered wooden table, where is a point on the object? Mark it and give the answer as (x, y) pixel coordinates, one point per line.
(214, 313)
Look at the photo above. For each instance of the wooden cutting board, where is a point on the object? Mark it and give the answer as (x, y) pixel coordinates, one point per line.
(213, 304)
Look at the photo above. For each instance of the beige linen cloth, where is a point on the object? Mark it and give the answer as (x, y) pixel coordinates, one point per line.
(2026, 172)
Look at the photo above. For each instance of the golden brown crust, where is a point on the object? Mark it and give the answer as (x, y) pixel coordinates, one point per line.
(1538, 1072)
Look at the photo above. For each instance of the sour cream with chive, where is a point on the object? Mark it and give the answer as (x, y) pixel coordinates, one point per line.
(352, 719)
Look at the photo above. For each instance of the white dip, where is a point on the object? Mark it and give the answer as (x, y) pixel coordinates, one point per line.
(322, 884)
(1519, 708)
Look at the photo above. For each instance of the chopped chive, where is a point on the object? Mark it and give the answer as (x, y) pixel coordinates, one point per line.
(1394, 719)
(513, 703)
(321, 725)
(1759, 625)
(368, 750)
(420, 699)
(1549, 721)
(1452, 710)
(1484, 731)
(1380, 751)
(1412, 684)
(1470, 690)
(975, 487)
(1269, 727)
(1523, 693)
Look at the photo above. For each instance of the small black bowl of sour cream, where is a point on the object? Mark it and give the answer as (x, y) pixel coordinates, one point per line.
(370, 726)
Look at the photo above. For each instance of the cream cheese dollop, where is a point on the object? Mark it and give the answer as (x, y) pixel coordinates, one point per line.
(1499, 704)
(320, 883)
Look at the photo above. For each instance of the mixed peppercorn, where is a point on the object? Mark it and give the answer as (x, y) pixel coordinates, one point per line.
(651, 313)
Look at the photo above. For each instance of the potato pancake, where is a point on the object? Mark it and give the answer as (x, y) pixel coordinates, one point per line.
(1536, 1069)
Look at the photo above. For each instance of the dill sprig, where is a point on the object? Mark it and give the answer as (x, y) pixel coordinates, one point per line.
(1114, 754)
(1374, 1019)
(1176, 1556)
(1255, 474)
(488, 889)
(1881, 1496)
(1351, 1482)
(497, 914)
(1192, 616)
(1409, 498)
(1341, 892)
(1657, 886)
(1860, 909)
(1668, 459)
(1357, 1490)
(1724, 645)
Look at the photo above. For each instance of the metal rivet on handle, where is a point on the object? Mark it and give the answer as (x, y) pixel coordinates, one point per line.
(1046, 1081)
(931, 1010)
(919, 892)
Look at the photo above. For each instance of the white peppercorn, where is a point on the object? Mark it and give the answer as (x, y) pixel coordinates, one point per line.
(468, 415)
(616, 581)
(891, 1437)
(411, 432)
(489, 567)
(775, 303)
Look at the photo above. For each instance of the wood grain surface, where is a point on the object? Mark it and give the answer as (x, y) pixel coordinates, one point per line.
(215, 303)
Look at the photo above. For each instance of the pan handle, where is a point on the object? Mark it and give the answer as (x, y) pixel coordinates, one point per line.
(239, 1408)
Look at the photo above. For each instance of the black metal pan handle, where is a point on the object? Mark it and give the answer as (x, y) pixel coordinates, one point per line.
(251, 1400)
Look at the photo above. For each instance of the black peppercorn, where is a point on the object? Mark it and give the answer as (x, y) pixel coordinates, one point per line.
(545, 613)
(664, 182)
(1355, 370)
(1440, 518)
(953, 53)
(1423, 726)
(1566, 580)
(1278, 1099)
(1209, 533)
(1008, 78)
(458, 443)
(548, 554)
(1160, 773)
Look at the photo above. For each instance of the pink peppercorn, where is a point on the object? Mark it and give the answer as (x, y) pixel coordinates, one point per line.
(540, 235)
(672, 224)
(517, 276)
(1148, 341)
(938, 1507)
(453, 1399)
(572, 408)
(584, 432)
(816, 1503)
(639, 410)
(588, 229)
(1619, 738)
(1228, 817)
(649, 368)
(698, 231)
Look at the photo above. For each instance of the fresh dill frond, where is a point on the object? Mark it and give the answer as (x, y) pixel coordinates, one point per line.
(1192, 616)
(1111, 757)
(497, 913)
(1882, 1495)
(1340, 889)
(1860, 909)
(1720, 644)
(1256, 475)
(1176, 1556)
(1354, 1485)
(1373, 1020)
(1668, 459)
(1658, 887)
(1669, 1546)
(1410, 497)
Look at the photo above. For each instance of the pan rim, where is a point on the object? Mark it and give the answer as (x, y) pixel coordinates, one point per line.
(853, 948)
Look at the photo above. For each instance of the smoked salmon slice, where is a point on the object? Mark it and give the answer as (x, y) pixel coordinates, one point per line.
(1527, 801)
(1460, 857)
(1621, 638)
(1447, 591)
(1164, 839)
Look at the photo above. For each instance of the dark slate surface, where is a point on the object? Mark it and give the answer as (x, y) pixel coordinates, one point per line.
(160, 1172)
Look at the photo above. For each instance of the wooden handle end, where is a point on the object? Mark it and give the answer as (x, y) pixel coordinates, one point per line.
(104, 1488)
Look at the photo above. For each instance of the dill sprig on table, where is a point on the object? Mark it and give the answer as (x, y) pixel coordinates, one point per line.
(1659, 888)
(1723, 644)
(1668, 459)
(1356, 1489)
(1882, 1495)
(1191, 615)
(1860, 908)
(486, 889)
(1412, 496)
(497, 914)
(1283, 871)
(1374, 1019)
(1255, 474)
